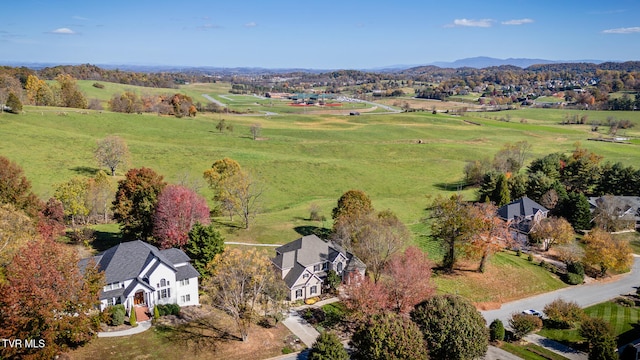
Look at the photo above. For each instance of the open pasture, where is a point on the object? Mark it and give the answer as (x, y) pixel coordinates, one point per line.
(302, 159)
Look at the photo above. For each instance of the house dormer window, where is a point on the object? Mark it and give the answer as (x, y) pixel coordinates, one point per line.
(316, 267)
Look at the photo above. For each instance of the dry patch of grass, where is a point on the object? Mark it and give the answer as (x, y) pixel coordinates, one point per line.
(507, 278)
(213, 337)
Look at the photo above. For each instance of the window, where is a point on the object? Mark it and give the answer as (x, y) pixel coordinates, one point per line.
(305, 275)
(164, 293)
(314, 289)
(163, 283)
(298, 293)
(110, 302)
(185, 298)
(184, 282)
(316, 267)
(325, 266)
(113, 286)
(339, 269)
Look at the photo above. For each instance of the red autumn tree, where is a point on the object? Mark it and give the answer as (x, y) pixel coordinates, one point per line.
(178, 210)
(407, 278)
(488, 233)
(51, 220)
(47, 299)
(363, 296)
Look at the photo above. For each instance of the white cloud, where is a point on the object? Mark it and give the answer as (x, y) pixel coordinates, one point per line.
(517, 22)
(472, 23)
(63, 31)
(629, 30)
(79, 18)
(250, 24)
(206, 27)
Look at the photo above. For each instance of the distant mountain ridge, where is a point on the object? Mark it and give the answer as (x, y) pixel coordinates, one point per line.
(477, 62)
(480, 62)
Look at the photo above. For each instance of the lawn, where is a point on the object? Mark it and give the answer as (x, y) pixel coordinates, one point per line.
(213, 336)
(507, 278)
(302, 159)
(623, 321)
(530, 351)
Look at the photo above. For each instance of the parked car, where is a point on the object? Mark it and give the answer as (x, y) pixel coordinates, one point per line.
(533, 312)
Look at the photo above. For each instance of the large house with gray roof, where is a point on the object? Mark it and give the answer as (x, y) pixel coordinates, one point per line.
(305, 262)
(139, 275)
(522, 214)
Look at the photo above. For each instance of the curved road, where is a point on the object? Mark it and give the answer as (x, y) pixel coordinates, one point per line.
(206, 96)
(584, 295)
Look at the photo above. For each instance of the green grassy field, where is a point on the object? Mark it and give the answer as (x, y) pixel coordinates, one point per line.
(623, 321)
(302, 159)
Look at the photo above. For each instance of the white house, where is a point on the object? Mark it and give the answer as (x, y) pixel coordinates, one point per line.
(304, 263)
(139, 275)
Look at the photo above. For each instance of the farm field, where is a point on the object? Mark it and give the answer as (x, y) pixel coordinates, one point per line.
(301, 159)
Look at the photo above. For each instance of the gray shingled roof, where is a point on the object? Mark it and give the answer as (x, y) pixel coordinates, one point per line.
(523, 207)
(126, 260)
(307, 250)
(176, 256)
(186, 272)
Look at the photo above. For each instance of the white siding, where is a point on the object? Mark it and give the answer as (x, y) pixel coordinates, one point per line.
(191, 289)
(166, 273)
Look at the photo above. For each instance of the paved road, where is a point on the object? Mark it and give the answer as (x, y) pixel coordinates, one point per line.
(584, 295)
(214, 100)
(250, 244)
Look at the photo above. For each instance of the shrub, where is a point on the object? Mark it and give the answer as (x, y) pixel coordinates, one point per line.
(530, 257)
(328, 346)
(496, 330)
(563, 314)
(98, 85)
(287, 350)
(523, 324)
(573, 279)
(575, 267)
(156, 313)
(116, 313)
(132, 318)
(518, 252)
(623, 301)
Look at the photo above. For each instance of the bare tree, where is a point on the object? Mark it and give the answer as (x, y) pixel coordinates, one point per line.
(112, 152)
(246, 193)
(255, 130)
(613, 214)
(373, 238)
(239, 283)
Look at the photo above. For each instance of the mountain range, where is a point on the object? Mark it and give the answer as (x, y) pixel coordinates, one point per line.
(478, 62)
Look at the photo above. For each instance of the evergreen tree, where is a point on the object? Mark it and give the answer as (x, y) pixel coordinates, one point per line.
(14, 103)
(501, 195)
(496, 330)
(388, 337)
(328, 347)
(205, 242)
(133, 321)
(576, 210)
(452, 328)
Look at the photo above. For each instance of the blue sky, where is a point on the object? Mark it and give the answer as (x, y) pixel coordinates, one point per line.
(324, 34)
